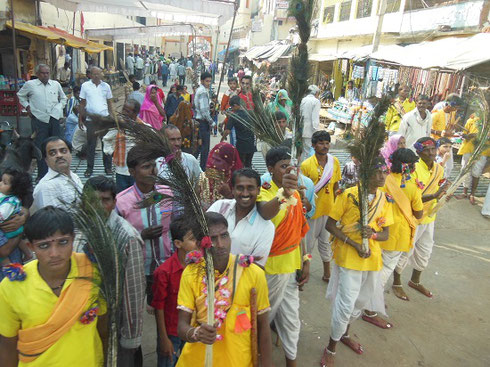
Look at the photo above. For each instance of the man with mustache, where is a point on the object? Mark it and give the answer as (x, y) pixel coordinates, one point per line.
(60, 186)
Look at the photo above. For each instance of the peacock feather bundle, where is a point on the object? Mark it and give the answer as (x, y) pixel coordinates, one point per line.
(366, 147)
(103, 247)
(299, 68)
(151, 144)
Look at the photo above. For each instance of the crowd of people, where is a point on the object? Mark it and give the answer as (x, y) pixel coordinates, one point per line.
(263, 229)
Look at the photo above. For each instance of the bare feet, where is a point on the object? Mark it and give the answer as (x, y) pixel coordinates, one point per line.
(352, 344)
(472, 200)
(399, 292)
(325, 279)
(328, 358)
(377, 321)
(419, 287)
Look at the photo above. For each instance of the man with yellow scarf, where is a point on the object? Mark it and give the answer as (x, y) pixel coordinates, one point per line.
(51, 309)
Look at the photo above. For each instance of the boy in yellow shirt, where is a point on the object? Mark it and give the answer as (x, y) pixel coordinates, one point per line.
(324, 170)
(231, 334)
(355, 272)
(429, 177)
(444, 121)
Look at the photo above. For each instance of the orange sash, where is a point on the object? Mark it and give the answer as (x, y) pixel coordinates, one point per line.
(291, 230)
(403, 203)
(71, 304)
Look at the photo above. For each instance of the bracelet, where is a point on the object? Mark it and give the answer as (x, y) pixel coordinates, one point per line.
(194, 335)
(187, 334)
(307, 257)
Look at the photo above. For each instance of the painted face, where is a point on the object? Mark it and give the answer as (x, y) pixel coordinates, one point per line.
(53, 252)
(245, 192)
(58, 156)
(279, 170)
(221, 242)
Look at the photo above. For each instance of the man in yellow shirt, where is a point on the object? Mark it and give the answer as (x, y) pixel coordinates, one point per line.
(231, 335)
(324, 170)
(466, 149)
(444, 121)
(398, 109)
(429, 177)
(50, 308)
(285, 257)
(355, 271)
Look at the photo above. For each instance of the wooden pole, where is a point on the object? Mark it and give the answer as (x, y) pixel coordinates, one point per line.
(237, 5)
(16, 74)
(254, 331)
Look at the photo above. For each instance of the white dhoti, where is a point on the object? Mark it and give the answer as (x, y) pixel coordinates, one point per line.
(306, 148)
(284, 301)
(351, 291)
(486, 204)
(318, 233)
(419, 255)
(390, 260)
(476, 170)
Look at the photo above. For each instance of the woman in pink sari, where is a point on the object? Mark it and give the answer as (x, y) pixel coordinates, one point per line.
(152, 111)
(393, 143)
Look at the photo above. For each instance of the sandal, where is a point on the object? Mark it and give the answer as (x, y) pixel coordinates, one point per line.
(472, 199)
(358, 349)
(325, 279)
(403, 296)
(419, 287)
(326, 352)
(88, 173)
(373, 319)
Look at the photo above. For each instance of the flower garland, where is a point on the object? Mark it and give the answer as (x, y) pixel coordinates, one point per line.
(245, 260)
(285, 202)
(194, 257)
(419, 184)
(221, 303)
(14, 271)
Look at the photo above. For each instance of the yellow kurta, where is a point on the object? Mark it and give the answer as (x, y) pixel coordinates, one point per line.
(471, 127)
(326, 195)
(400, 230)
(440, 120)
(423, 174)
(281, 264)
(28, 303)
(346, 211)
(235, 348)
(393, 118)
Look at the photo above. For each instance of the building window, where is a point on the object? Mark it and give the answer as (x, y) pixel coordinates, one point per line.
(141, 20)
(392, 6)
(345, 11)
(422, 4)
(364, 8)
(328, 14)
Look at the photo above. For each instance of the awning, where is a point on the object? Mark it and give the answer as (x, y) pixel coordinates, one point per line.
(321, 57)
(270, 52)
(55, 35)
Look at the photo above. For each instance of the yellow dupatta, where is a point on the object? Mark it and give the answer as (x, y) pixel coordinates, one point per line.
(403, 203)
(71, 304)
(375, 210)
(435, 176)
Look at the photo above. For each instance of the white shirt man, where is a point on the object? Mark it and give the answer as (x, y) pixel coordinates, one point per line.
(140, 63)
(310, 111)
(189, 162)
(60, 187)
(252, 235)
(413, 125)
(130, 64)
(96, 97)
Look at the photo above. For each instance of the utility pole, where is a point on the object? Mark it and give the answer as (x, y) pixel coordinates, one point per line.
(379, 27)
(16, 74)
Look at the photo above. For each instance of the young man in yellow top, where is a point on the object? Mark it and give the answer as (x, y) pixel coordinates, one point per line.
(231, 335)
(466, 149)
(428, 176)
(355, 271)
(444, 121)
(407, 210)
(324, 170)
(398, 109)
(286, 255)
(50, 308)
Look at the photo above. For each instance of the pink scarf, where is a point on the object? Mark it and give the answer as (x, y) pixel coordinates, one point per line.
(149, 112)
(390, 146)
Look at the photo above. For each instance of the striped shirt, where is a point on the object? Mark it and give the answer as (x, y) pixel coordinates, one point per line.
(156, 250)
